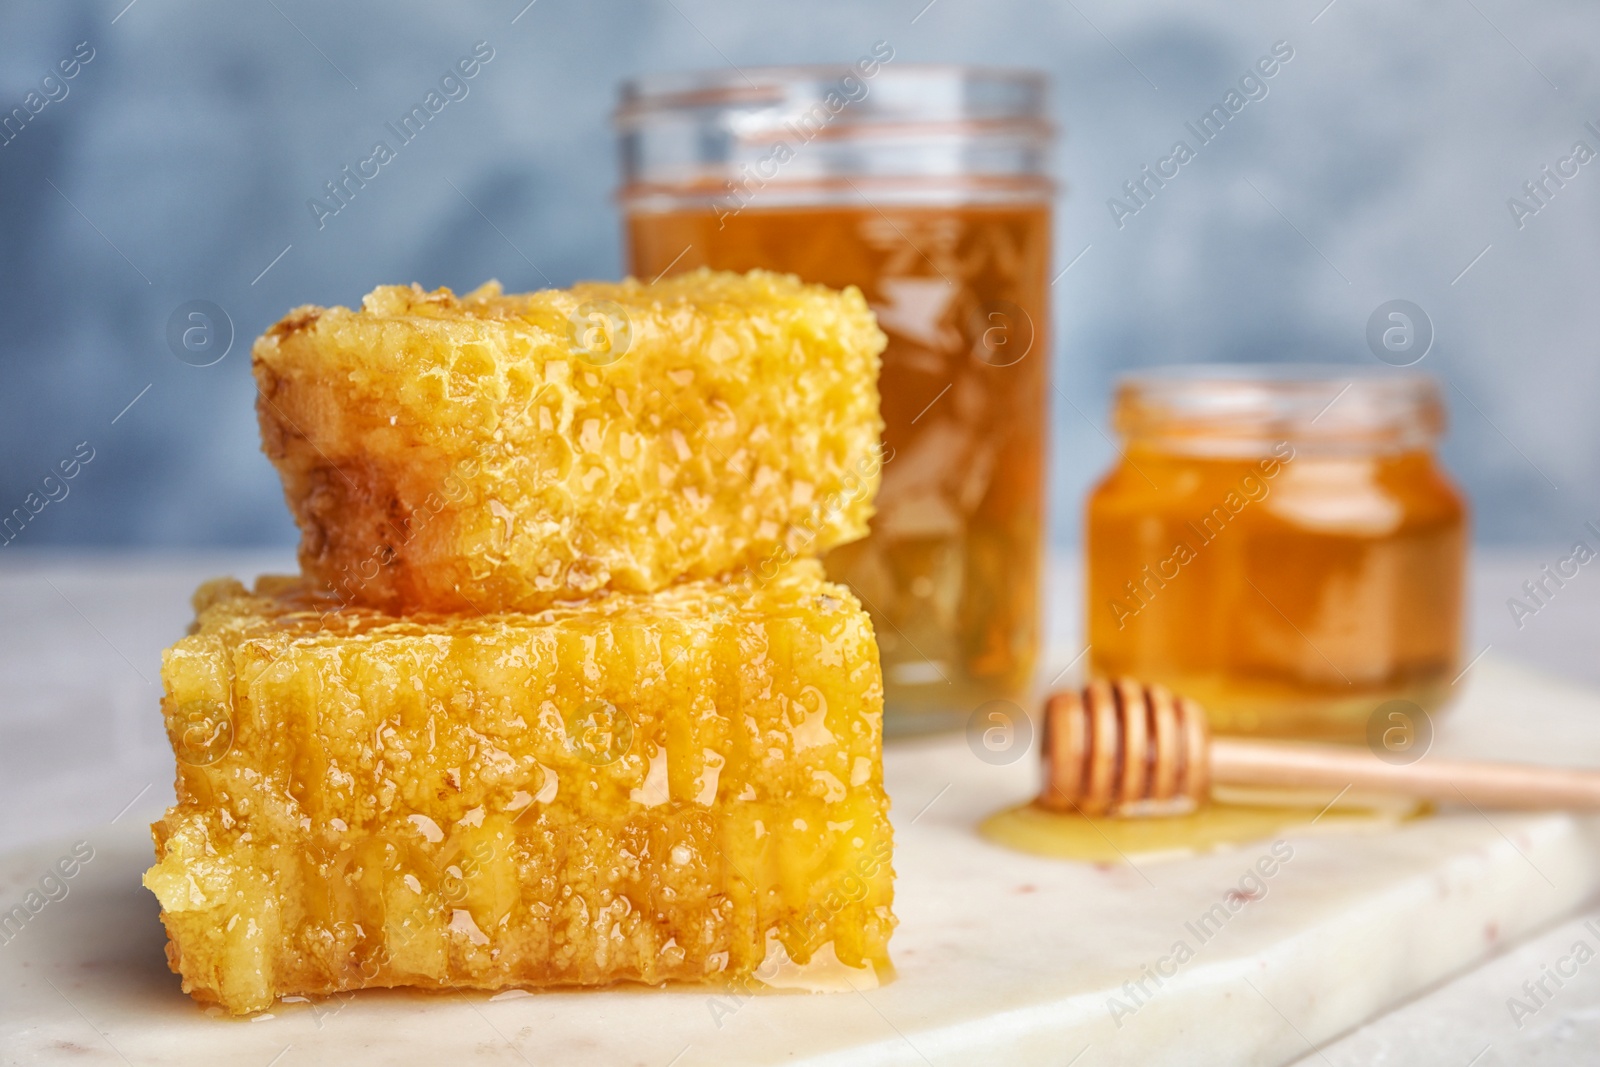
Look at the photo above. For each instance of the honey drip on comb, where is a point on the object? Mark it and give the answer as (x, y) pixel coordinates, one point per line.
(640, 788)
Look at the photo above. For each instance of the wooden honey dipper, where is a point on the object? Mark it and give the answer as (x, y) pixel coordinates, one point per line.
(1116, 746)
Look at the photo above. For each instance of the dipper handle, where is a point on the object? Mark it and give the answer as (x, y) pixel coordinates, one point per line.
(1115, 745)
(1497, 785)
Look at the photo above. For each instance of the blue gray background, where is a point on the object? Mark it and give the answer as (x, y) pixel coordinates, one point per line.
(1379, 166)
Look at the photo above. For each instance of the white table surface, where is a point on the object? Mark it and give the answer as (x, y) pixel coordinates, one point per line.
(81, 745)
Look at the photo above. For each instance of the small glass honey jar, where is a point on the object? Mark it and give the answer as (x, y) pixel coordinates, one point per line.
(1279, 543)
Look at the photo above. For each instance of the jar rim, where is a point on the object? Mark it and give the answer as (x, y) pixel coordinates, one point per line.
(720, 140)
(724, 87)
(1242, 407)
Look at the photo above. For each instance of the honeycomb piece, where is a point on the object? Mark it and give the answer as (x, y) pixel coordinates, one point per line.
(498, 452)
(684, 786)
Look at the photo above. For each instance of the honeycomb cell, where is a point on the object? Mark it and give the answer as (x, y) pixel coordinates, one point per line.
(684, 786)
(506, 452)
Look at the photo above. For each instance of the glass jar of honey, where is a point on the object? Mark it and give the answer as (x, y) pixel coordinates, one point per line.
(925, 187)
(1280, 544)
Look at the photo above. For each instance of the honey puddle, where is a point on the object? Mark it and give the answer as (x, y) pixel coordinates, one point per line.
(1238, 817)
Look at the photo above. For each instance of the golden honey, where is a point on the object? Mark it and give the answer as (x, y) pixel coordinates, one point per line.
(953, 257)
(682, 786)
(508, 451)
(1282, 547)
(1209, 828)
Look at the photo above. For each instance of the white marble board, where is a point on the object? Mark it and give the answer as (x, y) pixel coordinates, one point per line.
(1002, 957)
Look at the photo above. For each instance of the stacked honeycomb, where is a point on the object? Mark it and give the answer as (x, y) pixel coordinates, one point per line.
(677, 783)
(499, 451)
